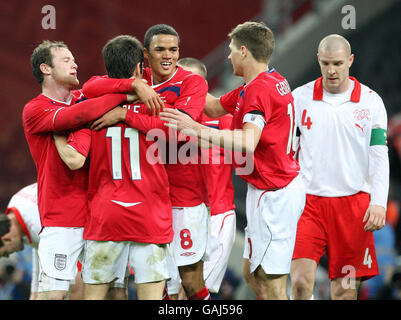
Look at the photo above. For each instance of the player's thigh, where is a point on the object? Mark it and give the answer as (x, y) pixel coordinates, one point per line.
(150, 290)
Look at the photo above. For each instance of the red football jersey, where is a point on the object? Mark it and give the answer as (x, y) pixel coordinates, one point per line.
(217, 174)
(185, 91)
(62, 193)
(267, 95)
(128, 193)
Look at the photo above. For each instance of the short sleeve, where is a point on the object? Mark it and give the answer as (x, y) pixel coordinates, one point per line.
(257, 101)
(192, 97)
(80, 140)
(229, 100)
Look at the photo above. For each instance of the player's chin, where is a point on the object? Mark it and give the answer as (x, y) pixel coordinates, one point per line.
(73, 83)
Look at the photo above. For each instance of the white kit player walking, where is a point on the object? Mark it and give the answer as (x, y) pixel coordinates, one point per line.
(345, 167)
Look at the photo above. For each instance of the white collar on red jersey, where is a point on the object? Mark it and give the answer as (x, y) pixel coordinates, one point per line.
(63, 102)
(160, 84)
(318, 90)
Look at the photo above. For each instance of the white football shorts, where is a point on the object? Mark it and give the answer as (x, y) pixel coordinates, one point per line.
(59, 250)
(191, 228)
(272, 218)
(173, 284)
(106, 261)
(221, 240)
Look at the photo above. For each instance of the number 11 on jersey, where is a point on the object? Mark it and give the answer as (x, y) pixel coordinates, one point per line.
(116, 152)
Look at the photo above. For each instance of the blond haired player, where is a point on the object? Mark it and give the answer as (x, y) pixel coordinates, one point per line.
(345, 167)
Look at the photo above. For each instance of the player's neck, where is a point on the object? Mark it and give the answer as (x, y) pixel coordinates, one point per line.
(158, 79)
(56, 92)
(252, 70)
(340, 89)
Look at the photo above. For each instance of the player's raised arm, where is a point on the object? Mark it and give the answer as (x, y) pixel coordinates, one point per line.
(39, 118)
(100, 85)
(244, 140)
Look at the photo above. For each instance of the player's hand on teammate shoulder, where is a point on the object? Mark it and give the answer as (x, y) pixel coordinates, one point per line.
(109, 118)
(148, 96)
(180, 121)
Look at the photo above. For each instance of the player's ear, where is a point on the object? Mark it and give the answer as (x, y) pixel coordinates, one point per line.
(244, 51)
(146, 53)
(350, 60)
(5, 237)
(138, 70)
(45, 68)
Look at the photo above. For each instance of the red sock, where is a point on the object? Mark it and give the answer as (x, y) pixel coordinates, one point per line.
(165, 295)
(203, 294)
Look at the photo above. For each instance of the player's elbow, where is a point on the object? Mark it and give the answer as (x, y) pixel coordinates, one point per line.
(76, 162)
(213, 107)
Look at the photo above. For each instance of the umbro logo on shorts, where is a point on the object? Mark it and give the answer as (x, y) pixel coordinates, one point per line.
(60, 261)
(187, 254)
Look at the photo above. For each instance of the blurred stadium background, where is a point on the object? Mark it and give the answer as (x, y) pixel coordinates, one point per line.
(299, 25)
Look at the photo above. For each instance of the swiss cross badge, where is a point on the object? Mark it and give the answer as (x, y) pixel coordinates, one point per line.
(60, 261)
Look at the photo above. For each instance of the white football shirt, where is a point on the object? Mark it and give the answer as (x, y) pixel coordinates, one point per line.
(335, 152)
(24, 204)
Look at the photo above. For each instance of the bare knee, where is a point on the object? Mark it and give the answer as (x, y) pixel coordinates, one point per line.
(52, 295)
(302, 281)
(303, 274)
(271, 287)
(345, 295)
(246, 272)
(192, 278)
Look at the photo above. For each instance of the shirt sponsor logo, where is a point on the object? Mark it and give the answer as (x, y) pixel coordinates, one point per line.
(187, 254)
(358, 126)
(125, 204)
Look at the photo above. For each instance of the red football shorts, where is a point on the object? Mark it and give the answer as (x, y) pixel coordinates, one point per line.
(334, 226)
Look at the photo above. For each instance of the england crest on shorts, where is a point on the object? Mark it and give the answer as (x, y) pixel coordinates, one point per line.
(60, 261)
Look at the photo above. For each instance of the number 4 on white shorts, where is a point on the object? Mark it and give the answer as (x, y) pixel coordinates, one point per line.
(367, 260)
